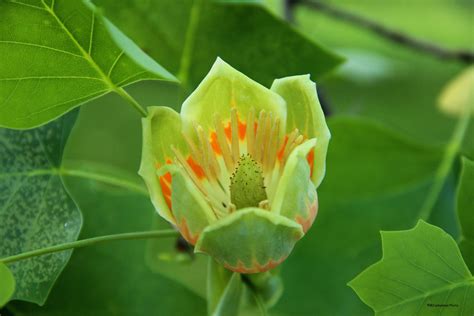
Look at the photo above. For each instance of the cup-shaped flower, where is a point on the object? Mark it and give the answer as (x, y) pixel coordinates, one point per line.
(237, 170)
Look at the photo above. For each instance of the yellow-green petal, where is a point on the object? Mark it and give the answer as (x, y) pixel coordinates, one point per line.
(190, 210)
(305, 113)
(296, 196)
(225, 88)
(161, 129)
(250, 240)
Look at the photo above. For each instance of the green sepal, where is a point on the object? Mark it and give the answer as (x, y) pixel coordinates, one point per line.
(269, 285)
(250, 240)
(7, 284)
(161, 129)
(305, 113)
(225, 88)
(224, 291)
(191, 211)
(296, 196)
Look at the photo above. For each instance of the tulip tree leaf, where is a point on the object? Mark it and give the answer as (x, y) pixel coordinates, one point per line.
(59, 55)
(465, 207)
(252, 39)
(420, 268)
(35, 209)
(7, 285)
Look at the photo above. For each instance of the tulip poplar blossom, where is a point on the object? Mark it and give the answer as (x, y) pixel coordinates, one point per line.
(237, 170)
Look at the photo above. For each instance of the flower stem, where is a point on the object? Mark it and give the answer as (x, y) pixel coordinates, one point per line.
(90, 242)
(124, 94)
(450, 154)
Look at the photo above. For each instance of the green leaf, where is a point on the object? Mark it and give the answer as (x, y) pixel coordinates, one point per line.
(7, 286)
(420, 268)
(35, 208)
(375, 180)
(62, 54)
(465, 205)
(186, 38)
(113, 279)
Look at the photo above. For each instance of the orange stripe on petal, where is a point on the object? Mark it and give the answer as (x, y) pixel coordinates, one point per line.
(310, 158)
(242, 129)
(166, 189)
(282, 148)
(215, 144)
(198, 171)
(184, 229)
(228, 131)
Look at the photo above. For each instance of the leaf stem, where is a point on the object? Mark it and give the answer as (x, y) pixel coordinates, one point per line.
(444, 168)
(124, 94)
(90, 242)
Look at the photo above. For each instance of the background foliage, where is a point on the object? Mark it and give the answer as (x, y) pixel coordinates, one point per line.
(389, 141)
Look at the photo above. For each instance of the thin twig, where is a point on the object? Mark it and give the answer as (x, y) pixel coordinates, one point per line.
(89, 242)
(389, 34)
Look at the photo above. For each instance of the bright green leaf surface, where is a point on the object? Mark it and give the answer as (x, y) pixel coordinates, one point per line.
(7, 284)
(465, 205)
(61, 54)
(376, 179)
(420, 268)
(113, 279)
(252, 39)
(35, 209)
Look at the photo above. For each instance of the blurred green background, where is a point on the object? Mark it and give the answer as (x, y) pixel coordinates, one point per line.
(387, 142)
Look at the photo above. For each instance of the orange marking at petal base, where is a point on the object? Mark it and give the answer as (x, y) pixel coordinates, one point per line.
(166, 189)
(242, 129)
(306, 223)
(281, 151)
(228, 131)
(255, 268)
(186, 233)
(198, 171)
(310, 158)
(215, 144)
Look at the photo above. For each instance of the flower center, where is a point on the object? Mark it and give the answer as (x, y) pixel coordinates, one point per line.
(239, 162)
(247, 186)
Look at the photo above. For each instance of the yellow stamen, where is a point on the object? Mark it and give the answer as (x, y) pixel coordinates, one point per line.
(259, 136)
(235, 135)
(250, 132)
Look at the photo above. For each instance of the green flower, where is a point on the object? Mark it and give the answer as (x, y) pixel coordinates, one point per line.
(237, 170)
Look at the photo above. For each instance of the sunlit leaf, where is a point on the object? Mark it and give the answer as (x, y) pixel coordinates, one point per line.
(35, 209)
(458, 96)
(420, 268)
(61, 54)
(465, 205)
